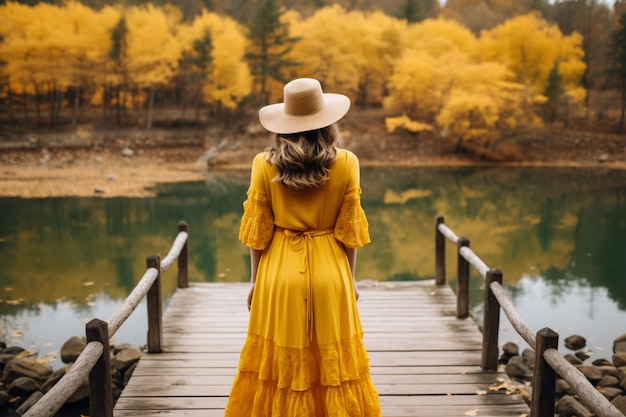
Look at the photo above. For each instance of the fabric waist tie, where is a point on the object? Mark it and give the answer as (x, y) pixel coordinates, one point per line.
(301, 242)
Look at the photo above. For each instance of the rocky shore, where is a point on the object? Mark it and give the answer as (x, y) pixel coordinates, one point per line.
(608, 376)
(26, 378)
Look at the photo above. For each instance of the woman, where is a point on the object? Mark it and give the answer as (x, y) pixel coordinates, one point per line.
(303, 222)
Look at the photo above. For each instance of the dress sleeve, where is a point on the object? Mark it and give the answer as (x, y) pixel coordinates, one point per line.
(257, 222)
(351, 227)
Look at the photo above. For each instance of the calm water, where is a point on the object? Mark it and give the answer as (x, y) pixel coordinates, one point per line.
(558, 235)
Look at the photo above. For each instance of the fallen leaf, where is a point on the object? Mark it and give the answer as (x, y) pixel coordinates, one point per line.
(15, 399)
(481, 392)
(464, 372)
(17, 333)
(473, 412)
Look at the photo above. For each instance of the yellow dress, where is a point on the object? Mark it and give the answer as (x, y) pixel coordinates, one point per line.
(303, 355)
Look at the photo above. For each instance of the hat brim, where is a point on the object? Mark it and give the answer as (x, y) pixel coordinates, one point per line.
(274, 118)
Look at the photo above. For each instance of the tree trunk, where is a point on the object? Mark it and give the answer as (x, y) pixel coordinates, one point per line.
(52, 95)
(76, 103)
(150, 107)
(10, 99)
(37, 106)
(118, 105)
(26, 117)
(621, 119)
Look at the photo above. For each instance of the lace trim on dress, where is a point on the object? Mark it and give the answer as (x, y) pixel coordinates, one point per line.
(351, 227)
(329, 380)
(257, 222)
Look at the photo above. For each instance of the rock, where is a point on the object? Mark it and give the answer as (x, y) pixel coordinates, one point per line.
(54, 378)
(20, 367)
(610, 393)
(127, 152)
(118, 348)
(126, 357)
(4, 398)
(575, 342)
(601, 362)
(517, 369)
(23, 385)
(603, 157)
(619, 359)
(509, 350)
(609, 371)
(26, 405)
(609, 381)
(620, 403)
(129, 372)
(98, 190)
(573, 359)
(5, 357)
(13, 350)
(583, 355)
(72, 348)
(571, 407)
(592, 373)
(529, 358)
(562, 388)
(81, 394)
(619, 344)
(111, 178)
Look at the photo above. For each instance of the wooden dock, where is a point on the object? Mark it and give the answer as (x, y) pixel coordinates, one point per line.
(424, 361)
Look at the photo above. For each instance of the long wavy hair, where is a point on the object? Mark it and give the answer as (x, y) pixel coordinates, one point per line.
(303, 159)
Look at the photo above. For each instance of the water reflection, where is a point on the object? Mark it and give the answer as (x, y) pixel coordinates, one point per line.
(558, 229)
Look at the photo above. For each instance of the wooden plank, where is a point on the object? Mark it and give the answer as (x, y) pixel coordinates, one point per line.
(424, 361)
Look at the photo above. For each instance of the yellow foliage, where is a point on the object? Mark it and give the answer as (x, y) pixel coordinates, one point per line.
(393, 123)
(324, 51)
(529, 46)
(229, 81)
(152, 49)
(438, 37)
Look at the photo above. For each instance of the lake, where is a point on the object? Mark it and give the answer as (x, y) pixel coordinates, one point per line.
(557, 234)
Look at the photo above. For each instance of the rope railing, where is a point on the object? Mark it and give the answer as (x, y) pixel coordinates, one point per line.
(94, 361)
(548, 361)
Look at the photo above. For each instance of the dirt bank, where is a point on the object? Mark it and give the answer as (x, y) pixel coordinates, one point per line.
(90, 162)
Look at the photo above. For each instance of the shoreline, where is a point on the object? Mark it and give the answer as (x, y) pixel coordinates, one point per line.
(138, 176)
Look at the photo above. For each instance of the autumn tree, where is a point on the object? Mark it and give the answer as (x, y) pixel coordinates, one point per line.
(618, 68)
(270, 44)
(214, 48)
(554, 91)
(440, 84)
(153, 52)
(530, 47)
(117, 78)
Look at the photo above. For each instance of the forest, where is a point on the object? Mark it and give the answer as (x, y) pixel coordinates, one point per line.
(472, 71)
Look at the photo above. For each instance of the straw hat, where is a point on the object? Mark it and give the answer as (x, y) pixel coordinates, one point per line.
(305, 108)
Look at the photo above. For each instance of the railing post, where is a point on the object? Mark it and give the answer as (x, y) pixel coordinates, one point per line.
(463, 270)
(440, 253)
(155, 308)
(100, 380)
(491, 322)
(544, 377)
(183, 274)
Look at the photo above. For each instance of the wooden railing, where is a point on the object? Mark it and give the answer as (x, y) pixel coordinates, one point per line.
(94, 361)
(548, 361)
